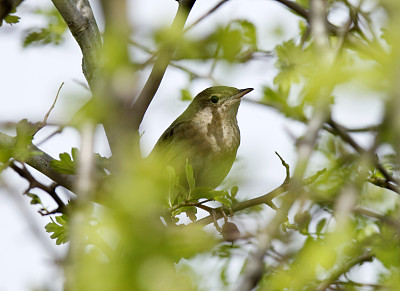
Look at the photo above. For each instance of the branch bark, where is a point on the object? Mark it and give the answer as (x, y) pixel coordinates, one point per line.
(40, 162)
(153, 82)
(78, 15)
(344, 268)
(264, 199)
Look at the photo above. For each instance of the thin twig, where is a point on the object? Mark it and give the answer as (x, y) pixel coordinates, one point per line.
(52, 106)
(58, 131)
(380, 217)
(30, 220)
(297, 8)
(208, 13)
(286, 167)
(145, 97)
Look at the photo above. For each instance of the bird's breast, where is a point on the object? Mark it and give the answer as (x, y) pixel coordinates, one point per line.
(218, 130)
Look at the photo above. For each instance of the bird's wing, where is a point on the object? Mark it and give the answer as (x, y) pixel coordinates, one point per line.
(173, 141)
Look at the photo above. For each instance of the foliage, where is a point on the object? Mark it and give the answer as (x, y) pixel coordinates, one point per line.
(53, 33)
(59, 228)
(11, 18)
(313, 232)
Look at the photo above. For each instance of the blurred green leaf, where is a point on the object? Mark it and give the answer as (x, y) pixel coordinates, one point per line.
(189, 175)
(224, 200)
(53, 33)
(321, 224)
(185, 95)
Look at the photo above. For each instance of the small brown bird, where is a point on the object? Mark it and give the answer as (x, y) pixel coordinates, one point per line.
(206, 134)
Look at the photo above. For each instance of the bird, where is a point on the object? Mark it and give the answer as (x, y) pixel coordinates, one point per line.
(206, 135)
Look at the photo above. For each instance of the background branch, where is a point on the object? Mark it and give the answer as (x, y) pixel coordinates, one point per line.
(165, 54)
(344, 268)
(341, 131)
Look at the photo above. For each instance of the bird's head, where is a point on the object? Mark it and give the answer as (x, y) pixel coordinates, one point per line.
(223, 99)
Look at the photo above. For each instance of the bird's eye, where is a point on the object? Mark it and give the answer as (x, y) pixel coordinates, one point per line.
(214, 99)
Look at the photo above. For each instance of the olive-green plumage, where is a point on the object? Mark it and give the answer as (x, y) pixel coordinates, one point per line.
(207, 134)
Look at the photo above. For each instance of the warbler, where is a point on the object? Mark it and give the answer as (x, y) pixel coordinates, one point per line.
(206, 135)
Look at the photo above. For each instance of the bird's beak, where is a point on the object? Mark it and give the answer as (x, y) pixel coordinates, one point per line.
(241, 93)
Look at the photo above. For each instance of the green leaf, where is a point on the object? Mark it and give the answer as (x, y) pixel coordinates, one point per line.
(53, 33)
(205, 192)
(189, 175)
(59, 228)
(303, 3)
(294, 64)
(191, 213)
(23, 141)
(321, 224)
(25, 131)
(249, 33)
(234, 191)
(278, 99)
(35, 198)
(202, 192)
(185, 95)
(225, 201)
(11, 19)
(303, 219)
(66, 165)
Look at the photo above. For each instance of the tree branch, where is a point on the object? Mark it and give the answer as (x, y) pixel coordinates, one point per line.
(212, 10)
(341, 131)
(264, 199)
(33, 183)
(318, 21)
(153, 82)
(297, 8)
(40, 162)
(78, 15)
(366, 256)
